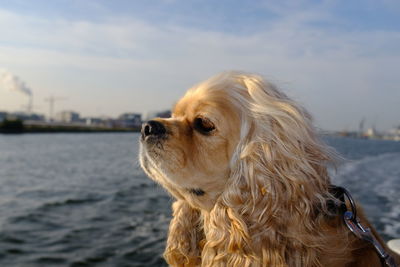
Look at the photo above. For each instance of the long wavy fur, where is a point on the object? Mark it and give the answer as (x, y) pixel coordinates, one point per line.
(273, 211)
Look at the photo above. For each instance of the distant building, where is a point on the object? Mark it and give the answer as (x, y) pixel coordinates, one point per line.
(3, 116)
(92, 121)
(68, 116)
(395, 131)
(158, 114)
(129, 120)
(36, 117)
(393, 134)
(164, 114)
(25, 116)
(371, 133)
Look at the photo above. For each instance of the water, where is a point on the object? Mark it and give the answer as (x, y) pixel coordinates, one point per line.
(78, 200)
(372, 175)
(82, 199)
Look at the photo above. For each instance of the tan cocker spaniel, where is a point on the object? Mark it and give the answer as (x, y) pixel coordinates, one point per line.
(249, 175)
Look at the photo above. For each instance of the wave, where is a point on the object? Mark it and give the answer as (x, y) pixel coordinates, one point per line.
(375, 182)
(71, 201)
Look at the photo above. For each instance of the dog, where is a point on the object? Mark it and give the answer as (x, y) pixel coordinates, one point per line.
(249, 176)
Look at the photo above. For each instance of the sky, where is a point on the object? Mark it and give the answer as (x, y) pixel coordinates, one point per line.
(340, 59)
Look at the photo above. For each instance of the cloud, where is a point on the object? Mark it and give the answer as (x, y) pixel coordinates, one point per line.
(327, 68)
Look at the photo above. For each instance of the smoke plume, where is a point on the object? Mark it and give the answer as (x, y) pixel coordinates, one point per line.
(11, 82)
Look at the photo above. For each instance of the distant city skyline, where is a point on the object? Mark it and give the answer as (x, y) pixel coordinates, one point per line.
(340, 59)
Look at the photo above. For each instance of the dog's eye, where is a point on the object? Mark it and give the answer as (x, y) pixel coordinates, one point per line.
(203, 125)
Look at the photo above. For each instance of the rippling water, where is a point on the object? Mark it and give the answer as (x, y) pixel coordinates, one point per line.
(78, 200)
(82, 200)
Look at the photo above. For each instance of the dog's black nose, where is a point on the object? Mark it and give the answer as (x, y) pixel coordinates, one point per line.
(154, 128)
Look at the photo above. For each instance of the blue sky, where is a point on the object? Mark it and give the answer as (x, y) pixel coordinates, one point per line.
(339, 58)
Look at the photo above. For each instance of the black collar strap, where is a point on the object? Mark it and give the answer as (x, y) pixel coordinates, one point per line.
(353, 223)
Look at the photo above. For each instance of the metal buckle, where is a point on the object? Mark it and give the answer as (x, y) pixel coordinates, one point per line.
(364, 233)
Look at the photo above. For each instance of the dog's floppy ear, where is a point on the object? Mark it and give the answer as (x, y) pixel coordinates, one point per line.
(228, 239)
(278, 176)
(280, 153)
(185, 236)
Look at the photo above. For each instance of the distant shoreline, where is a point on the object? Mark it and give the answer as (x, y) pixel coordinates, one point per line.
(67, 131)
(32, 129)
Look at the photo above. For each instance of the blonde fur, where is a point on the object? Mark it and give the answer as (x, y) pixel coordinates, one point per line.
(264, 173)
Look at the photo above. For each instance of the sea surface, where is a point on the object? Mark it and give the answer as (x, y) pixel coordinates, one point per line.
(82, 199)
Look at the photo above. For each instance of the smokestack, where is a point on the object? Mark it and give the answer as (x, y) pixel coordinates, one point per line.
(11, 82)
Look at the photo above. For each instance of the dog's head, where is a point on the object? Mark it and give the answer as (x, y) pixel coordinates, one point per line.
(224, 133)
(190, 152)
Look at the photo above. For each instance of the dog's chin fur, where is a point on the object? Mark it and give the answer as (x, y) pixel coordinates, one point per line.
(250, 182)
